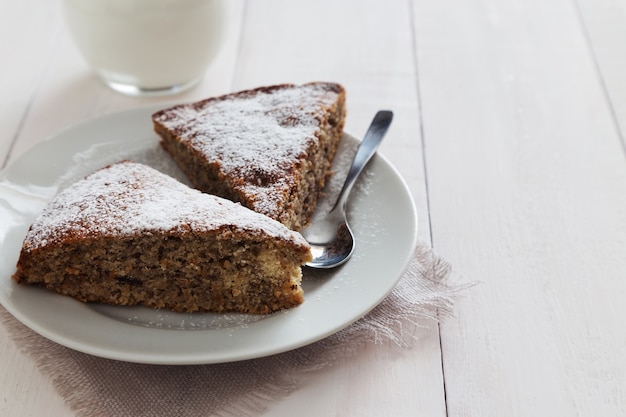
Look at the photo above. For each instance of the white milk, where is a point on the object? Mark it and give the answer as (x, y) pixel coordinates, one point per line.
(144, 46)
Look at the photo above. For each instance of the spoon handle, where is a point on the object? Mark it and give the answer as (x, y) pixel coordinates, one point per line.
(374, 136)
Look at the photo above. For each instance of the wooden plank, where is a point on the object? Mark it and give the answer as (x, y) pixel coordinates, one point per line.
(23, 391)
(383, 381)
(604, 23)
(528, 194)
(336, 41)
(28, 32)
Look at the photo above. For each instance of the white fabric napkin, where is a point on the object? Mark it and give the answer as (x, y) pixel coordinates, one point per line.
(93, 386)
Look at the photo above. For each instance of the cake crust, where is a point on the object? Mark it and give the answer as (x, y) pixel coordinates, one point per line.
(128, 234)
(269, 148)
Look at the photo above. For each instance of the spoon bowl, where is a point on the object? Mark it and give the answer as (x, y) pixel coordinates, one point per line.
(332, 242)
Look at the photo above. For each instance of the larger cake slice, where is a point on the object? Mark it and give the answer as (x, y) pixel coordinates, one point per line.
(270, 148)
(128, 234)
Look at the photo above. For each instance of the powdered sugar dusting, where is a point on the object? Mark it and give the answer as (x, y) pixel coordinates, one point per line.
(126, 198)
(258, 136)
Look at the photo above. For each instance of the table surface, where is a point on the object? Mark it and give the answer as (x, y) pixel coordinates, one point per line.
(508, 128)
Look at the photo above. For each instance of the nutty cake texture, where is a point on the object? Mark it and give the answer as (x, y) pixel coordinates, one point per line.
(130, 235)
(270, 148)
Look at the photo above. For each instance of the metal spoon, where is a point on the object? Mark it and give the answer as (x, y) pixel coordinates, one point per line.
(331, 240)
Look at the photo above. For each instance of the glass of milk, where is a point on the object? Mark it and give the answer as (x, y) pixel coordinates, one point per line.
(147, 47)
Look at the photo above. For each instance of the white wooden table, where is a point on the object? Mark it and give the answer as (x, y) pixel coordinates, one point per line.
(509, 130)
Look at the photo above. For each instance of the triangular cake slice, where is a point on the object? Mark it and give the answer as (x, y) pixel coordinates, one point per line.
(270, 148)
(128, 234)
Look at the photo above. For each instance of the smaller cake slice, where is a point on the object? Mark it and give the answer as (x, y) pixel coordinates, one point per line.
(270, 148)
(130, 235)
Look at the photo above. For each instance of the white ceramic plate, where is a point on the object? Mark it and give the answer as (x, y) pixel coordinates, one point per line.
(381, 212)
